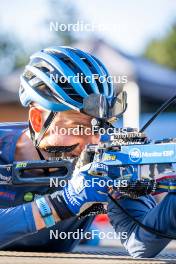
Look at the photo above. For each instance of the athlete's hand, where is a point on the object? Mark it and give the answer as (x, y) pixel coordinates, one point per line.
(88, 186)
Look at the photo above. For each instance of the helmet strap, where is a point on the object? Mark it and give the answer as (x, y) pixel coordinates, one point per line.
(36, 141)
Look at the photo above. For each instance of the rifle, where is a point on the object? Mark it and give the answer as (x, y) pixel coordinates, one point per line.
(127, 154)
(128, 151)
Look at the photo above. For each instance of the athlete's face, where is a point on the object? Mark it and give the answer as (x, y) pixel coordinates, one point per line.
(69, 128)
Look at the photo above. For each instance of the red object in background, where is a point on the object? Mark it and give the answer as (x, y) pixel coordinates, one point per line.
(101, 219)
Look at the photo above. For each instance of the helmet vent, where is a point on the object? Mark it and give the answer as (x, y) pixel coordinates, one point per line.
(96, 75)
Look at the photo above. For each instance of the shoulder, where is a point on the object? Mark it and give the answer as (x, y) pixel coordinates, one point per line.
(10, 126)
(8, 130)
(9, 134)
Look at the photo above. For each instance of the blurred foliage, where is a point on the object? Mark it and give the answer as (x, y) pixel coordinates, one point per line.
(62, 12)
(14, 54)
(163, 51)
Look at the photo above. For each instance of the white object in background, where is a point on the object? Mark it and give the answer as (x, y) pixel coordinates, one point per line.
(131, 115)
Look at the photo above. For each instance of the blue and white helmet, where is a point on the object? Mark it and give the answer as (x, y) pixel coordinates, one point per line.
(39, 85)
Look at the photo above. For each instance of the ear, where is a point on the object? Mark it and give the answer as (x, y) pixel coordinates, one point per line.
(35, 117)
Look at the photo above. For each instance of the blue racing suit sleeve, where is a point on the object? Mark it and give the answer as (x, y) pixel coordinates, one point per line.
(139, 242)
(16, 222)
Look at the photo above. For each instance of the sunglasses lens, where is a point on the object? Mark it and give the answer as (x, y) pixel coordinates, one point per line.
(97, 105)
